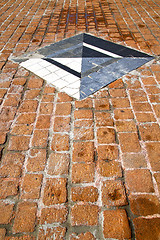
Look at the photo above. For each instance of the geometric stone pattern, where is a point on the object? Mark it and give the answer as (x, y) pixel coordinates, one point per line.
(83, 64)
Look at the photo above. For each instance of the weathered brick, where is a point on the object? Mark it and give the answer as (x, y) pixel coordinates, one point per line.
(46, 108)
(19, 129)
(62, 124)
(147, 229)
(113, 193)
(131, 160)
(116, 224)
(7, 114)
(13, 158)
(157, 177)
(109, 168)
(55, 191)
(19, 81)
(124, 113)
(36, 160)
(153, 150)
(40, 138)
(102, 104)
(2, 92)
(83, 123)
(129, 142)
(43, 122)
(150, 132)
(12, 170)
(47, 98)
(83, 113)
(106, 135)
(2, 233)
(49, 90)
(85, 103)
(35, 82)
(28, 106)
(58, 164)
(157, 109)
(117, 84)
(83, 152)
(63, 97)
(22, 237)
(26, 118)
(57, 232)
(126, 126)
(57, 214)
(117, 92)
(25, 217)
(32, 93)
(120, 102)
(19, 143)
(63, 109)
(82, 172)
(145, 117)
(60, 142)
(3, 136)
(6, 212)
(85, 214)
(107, 152)
(82, 236)
(31, 184)
(139, 180)
(8, 187)
(83, 134)
(103, 119)
(138, 95)
(144, 204)
(84, 194)
(12, 100)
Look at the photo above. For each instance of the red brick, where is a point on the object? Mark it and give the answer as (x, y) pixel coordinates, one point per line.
(57, 232)
(35, 82)
(116, 224)
(134, 84)
(117, 84)
(117, 92)
(47, 98)
(6, 212)
(32, 93)
(22, 237)
(126, 126)
(19, 81)
(3, 136)
(84, 194)
(129, 142)
(57, 214)
(22, 72)
(142, 107)
(58, 164)
(8, 187)
(149, 81)
(15, 89)
(106, 135)
(138, 95)
(43, 122)
(107, 152)
(147, 229)
(157, 110)
(13, 158)
(85, 214)
(63, 109)
(25, 217)
(145, 117)
(85, 103)
(83, 134)
(2, 92)
(120, 102)
(157, 177)
(137, 160)
(26, 118)
(22, 129)
(19, 143)
(60, 142)
(49, 90)
(139, 180)
(123, 114)
(36, 160)
(46, 108)
(113, 193)
(150, 132)
(2, 233)
(12, 170)
(102, 104)
(83, 152)
(40, 138)
(109, 168)
(62, 124)
(143, 205)
(63, 97)
(12, 100)
(82, 172)
(31, 184)
(82, 236)
(83, 113)
(4, 84)
(103, 119)
(28, 106)
(55, 191)
(7, 114)
(103, 93)
(153, 89)
(153, 150)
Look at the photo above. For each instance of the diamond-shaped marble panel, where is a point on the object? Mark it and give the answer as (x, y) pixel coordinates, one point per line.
(83, 64)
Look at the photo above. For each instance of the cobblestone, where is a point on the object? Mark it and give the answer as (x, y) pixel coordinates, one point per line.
(79, 169)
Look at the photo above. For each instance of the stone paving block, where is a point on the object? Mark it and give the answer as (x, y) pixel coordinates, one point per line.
(53, 215)
(83, 236)
(6, 211)
(84, 194)
(83, 152)
(57, 232)
(109, 168)
(83, 172)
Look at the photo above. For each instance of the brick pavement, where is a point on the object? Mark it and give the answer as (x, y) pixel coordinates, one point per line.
(79, 169)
